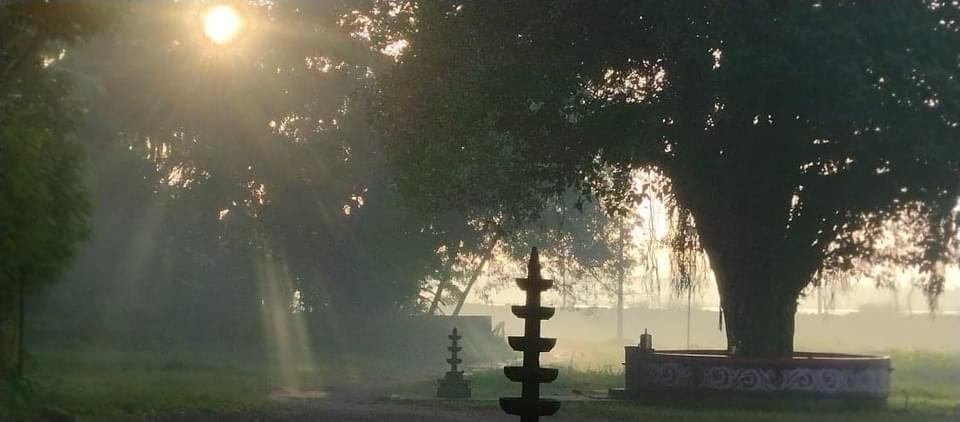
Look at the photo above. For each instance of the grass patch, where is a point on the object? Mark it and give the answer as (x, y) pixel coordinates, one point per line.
(626, 411)
(96, 382)
(18, 399)
(571, 381)
(100, 383)
(93, 392)
(924, 380)
(936, 374)
(111, 383)
(924, 387)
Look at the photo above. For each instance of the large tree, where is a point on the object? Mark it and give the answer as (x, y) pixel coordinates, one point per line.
(791, 131)
(43, 204)
(253, 153)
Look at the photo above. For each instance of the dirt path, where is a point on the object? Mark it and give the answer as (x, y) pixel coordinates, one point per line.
(328, 410)
(368, 402)
(352, 402)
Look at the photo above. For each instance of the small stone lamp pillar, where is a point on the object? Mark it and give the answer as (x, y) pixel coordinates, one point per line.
(529, 406)
(452, 385)
(646, 342)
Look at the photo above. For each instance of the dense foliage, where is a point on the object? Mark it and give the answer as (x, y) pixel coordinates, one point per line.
(793, 132)
(43, 203)
(235, 181)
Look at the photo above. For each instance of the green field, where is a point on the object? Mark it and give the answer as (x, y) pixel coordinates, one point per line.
(925, 386)
(94, 385)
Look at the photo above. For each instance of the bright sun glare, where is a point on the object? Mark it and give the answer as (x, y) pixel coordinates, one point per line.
(222, 24)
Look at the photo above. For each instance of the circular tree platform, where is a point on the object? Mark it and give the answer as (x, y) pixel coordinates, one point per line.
(713, 376)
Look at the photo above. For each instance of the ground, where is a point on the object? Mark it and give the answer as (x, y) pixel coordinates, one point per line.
(132, 386)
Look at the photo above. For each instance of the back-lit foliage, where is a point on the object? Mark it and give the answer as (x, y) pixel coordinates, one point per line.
(43, 202)
(792, 131)
(212, 161)
(378, 150)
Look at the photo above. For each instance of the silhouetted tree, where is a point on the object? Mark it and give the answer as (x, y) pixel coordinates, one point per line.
(253, 152)
(790, 130)
(43, 204)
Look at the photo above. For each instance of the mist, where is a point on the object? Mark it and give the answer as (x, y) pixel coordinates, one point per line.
(292, 204)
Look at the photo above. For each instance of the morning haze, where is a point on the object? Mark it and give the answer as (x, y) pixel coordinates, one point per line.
(282, 210)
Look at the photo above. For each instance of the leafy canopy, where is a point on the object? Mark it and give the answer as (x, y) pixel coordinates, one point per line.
(791, 130)
(43, 203)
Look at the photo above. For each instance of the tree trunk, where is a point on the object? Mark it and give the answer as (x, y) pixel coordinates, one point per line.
(620, 277)
(563, 280)
(477, 272)
(759, 299)
(9, 333)
(820, 299)
(759, 325)
(437, 295)
(689, 299)
(759, 279)
(441, 285)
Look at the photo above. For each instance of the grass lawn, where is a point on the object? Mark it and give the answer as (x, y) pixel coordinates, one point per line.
(926, 386)
(111, 384)
(625, 411)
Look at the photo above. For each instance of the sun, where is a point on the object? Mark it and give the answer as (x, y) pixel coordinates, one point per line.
(222, 24)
